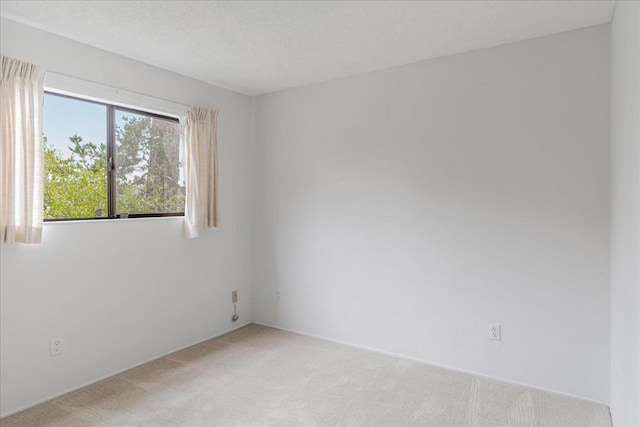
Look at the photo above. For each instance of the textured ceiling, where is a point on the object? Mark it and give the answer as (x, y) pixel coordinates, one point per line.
(264, 46)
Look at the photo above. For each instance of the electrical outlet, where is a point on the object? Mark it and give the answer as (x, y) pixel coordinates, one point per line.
(495, 332)
(55, 346)
(234, 296)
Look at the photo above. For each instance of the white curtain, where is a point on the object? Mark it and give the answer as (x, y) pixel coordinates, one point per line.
(21, 152)
(201, 169)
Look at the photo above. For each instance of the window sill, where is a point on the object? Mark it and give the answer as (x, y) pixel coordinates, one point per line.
(111, 220)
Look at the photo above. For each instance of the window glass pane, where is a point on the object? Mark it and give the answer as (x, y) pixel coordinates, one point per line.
(75, 165)
(148, 168)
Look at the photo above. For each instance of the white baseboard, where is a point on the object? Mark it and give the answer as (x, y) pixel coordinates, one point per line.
(437, 365)
(348, 344)
(31, 405)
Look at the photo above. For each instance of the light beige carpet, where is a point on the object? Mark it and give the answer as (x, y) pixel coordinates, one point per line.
(263, 376)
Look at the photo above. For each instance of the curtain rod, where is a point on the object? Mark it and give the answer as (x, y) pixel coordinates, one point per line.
(117, 89)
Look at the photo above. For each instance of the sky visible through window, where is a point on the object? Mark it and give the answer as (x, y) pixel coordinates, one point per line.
(64, 117)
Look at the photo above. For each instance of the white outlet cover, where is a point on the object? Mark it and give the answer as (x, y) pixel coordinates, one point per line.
(495, 332)
(55, 346)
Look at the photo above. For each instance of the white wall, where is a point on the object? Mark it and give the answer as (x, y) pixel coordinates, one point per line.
(404, 210)
(625, 215)
(122, 292)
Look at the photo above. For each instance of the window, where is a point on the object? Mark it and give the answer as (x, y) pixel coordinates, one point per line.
(106, 161)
